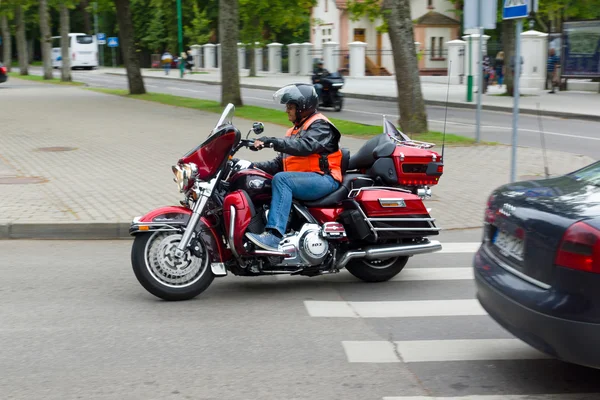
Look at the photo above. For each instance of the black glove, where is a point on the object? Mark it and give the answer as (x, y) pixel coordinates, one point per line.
(268, 141)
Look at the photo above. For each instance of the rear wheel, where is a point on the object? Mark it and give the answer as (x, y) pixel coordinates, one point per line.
(338, 105)
(163, 274)
(376, 270)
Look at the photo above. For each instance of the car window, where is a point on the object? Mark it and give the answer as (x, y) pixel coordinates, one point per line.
(591, 174)
(85, 39)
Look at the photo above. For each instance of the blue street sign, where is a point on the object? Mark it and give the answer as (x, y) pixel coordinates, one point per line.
(101, 37)
(515, 9)
(113, 42)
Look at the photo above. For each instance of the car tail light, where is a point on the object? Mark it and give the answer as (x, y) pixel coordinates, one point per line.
(73, 56)
(490, 216)
(3, 70)
(580, 248)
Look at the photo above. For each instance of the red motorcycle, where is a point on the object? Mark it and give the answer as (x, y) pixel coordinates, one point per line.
(370, 225)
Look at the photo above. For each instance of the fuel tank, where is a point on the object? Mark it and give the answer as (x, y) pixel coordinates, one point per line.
(255, 182)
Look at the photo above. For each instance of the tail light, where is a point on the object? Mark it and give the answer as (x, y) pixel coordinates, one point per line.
(3, 70)
(580, 248)
(73, 57)
(490, 216)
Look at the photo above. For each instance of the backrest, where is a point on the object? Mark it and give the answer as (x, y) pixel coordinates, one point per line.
(364, 158)
(345, 160)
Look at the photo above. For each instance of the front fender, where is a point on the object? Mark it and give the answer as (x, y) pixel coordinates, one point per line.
(175, 219)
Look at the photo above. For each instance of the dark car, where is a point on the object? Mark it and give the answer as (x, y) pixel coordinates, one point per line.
(538, 268)
(3, 73)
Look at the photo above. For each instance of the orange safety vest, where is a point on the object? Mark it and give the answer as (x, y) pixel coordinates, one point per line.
(321, 163)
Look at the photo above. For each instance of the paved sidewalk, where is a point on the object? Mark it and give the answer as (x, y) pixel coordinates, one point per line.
(117, 164)
(569, 104)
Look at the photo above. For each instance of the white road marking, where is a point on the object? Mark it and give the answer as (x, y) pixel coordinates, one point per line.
(520, 130)
(439, 351)
(184, 90)
(562, 396)
(394, 309)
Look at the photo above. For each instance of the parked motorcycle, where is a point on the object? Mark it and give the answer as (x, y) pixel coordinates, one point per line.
(370, 225)
(330, 95)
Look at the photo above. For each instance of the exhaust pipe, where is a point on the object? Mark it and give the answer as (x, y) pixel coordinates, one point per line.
(390, 250)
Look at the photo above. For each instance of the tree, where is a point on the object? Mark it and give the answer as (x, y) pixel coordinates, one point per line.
(46, 39)
(128, 49)
(229, 33)
(65, 28)
(7, 40)
(508, 43)
(398, 23)
(263, 20)
(21, 40)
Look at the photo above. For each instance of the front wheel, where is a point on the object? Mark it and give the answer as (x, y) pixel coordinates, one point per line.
(376, 270)
(163, 274)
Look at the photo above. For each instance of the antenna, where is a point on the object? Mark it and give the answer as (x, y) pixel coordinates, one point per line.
(446, 114)
(542, 137)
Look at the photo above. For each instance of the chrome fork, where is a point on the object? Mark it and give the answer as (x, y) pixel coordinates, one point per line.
(206, 190)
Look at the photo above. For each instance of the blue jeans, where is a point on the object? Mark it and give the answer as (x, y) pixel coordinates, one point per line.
(300, 185)
(318, 89)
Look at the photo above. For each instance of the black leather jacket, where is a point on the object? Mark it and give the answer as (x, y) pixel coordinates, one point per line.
(320, 137)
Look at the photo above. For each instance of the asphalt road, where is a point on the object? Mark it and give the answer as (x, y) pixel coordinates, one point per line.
(74, 323)
(575, 136)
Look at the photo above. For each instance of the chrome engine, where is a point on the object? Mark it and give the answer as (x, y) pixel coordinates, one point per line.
(306, 247)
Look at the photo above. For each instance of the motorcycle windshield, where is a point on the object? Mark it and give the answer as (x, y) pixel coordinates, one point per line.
(226, 118)
(391, 130)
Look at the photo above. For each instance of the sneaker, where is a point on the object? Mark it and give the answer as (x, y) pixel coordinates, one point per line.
(265, 240)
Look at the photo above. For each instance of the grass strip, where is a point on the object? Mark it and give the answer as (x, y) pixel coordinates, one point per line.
(279, 117)
(39, 78)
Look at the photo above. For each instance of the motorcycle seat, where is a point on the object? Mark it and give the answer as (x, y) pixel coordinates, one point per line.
(349, 182)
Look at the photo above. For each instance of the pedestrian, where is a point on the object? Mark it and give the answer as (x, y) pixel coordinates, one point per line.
(500, 68)
(167, 59)
(552, 70)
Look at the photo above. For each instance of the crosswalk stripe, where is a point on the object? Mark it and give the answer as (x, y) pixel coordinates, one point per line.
(434, 274)
(578, 396)
(459, 247)
(439, 351)
(393, 309)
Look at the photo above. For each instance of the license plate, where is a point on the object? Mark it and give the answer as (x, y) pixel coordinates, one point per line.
(509, 245)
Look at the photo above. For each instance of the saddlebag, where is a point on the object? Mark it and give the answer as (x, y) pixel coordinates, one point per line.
(371, 214)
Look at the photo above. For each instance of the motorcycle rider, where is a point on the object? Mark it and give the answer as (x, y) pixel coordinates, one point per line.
(309, 166)
(318, 73)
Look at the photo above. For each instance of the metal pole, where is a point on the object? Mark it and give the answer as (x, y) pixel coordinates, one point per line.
(180, 37)
(480, 77)
(114, 58)
(470, 76)
(516, 99)
(96, 26)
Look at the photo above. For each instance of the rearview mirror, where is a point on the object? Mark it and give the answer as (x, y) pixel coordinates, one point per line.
(258, 128)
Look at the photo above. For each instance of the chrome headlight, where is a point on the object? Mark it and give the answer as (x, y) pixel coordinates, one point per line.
(185, 175)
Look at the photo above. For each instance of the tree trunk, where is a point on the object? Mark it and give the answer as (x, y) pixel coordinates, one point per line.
(413, 116)
(46, 39)
(65, 27)
(87, 18)
(252, 58)
(228, 34)
(21, 42)
(128, 50)
(7, 44)
(508, 42)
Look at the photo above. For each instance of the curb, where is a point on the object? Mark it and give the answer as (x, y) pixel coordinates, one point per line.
(65, 231)
(469, 106)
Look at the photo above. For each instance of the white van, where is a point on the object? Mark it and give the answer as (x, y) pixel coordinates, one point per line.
(83, 50)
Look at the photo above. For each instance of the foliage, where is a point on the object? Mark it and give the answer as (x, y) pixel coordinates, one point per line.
(371, 9)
